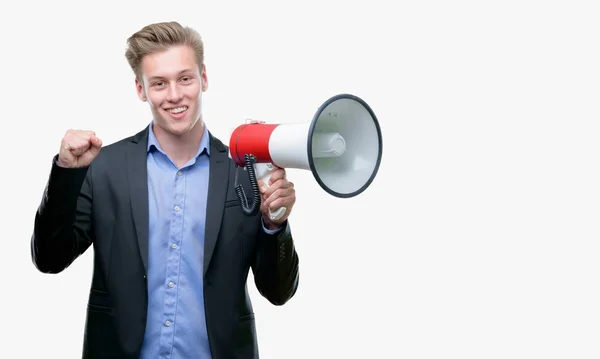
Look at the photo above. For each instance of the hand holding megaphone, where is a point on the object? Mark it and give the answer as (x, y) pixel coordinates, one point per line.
(276, 191)
(342, 147)
(278, 194)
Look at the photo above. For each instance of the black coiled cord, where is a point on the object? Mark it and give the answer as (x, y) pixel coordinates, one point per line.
(239, 190)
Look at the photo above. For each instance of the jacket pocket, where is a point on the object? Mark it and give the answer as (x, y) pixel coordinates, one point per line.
(232, 203)
(246, 317)
(99, 301)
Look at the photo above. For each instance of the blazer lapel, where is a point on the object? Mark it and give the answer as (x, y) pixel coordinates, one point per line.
(137, 175)
(217, 194)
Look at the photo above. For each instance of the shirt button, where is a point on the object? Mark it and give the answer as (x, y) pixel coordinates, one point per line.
(168, 323)
(171, 284)
(179, 173)
(173, 245)
(176, 208)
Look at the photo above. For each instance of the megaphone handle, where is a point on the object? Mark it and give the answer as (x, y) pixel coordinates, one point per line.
(263, 172)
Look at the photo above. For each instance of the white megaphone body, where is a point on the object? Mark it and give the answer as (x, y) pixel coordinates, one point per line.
(342, 147)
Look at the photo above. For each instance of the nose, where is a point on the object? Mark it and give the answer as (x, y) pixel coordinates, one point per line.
(174, 93)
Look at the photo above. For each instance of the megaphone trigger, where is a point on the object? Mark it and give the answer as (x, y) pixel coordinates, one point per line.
(263, 173)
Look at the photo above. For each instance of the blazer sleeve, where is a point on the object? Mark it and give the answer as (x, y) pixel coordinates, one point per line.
(62, 224)
(276, 267)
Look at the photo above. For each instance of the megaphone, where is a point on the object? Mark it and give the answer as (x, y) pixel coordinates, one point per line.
(342, 147)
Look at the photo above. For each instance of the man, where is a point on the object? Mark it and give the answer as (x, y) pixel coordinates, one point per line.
(172, 247)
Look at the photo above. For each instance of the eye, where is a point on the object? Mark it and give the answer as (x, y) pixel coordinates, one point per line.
(159, 83)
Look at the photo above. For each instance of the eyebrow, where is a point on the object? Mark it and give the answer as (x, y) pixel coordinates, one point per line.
(154, 78)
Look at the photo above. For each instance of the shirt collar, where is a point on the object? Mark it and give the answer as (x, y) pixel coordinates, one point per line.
(153, 142)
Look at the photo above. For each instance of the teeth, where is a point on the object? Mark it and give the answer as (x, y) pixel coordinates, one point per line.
(178, 109)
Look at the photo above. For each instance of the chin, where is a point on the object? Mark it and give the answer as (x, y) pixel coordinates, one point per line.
(174, 128)
(180, 128)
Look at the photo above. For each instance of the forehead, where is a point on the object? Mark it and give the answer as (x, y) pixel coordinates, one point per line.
(169, 63)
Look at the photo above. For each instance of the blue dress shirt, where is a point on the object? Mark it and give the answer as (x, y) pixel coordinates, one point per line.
(176, 325)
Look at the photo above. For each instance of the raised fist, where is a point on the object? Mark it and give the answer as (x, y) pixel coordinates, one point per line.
(78, 148)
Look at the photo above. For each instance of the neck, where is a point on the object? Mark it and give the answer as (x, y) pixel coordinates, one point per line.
(180, 148)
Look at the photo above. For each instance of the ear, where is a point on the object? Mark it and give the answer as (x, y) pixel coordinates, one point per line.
(204, 78)
(140, 90)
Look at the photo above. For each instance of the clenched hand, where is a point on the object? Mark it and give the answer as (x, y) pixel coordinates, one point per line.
(78, 149)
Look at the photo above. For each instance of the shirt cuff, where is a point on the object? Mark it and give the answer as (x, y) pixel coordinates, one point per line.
(269, 231)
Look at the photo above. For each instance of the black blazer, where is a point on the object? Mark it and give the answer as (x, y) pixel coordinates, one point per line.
(106, 205)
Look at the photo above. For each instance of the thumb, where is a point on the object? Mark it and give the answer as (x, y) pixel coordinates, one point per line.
(96, 144)
(95, 141)
(261, 186)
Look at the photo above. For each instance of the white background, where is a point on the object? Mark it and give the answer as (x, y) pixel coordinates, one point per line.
(479, 236)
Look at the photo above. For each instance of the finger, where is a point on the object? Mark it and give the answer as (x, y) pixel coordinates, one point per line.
(76, 140)
(282, 183)
(85, 135)
(79, 133)
(66, 146)
(264, 208)
(280, 193)
(287, 202)
(80, 150)
(252, 121)
(96, 142)
(278, 174)
(266, 211)
(261, 186)
(88, 137)
(75, 144)
(269, 189)
(80, 141)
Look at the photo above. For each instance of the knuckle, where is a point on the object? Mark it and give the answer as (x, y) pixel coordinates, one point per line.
(277, 184)
(272, 189)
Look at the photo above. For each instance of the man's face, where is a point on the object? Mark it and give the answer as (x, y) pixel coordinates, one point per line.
(173, 86)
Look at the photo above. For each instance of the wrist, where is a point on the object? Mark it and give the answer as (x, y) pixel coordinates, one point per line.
(60, 163)
(270, 225)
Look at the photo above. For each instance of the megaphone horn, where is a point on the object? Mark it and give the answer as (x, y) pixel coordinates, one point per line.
(342, 147)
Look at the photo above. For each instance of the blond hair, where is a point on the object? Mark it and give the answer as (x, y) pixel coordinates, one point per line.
(160, 37)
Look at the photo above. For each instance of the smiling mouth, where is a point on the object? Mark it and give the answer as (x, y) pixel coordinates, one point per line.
(177, 109)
